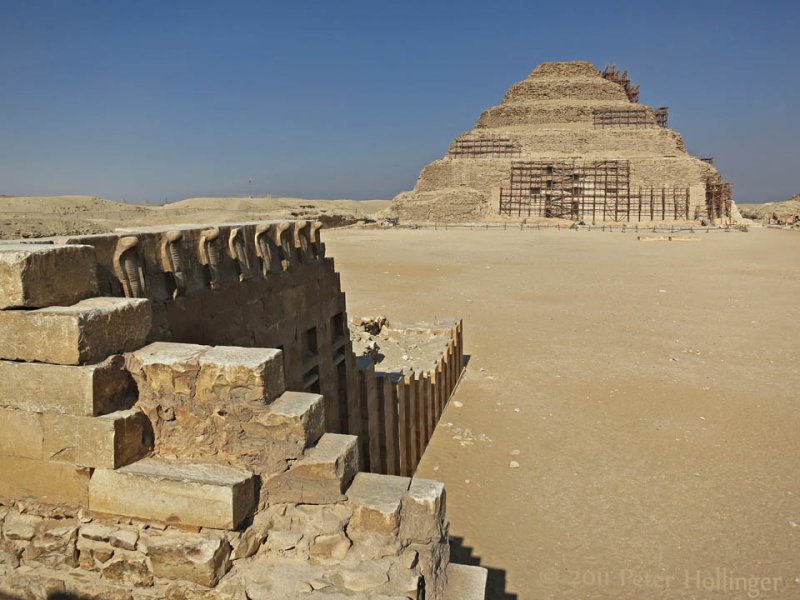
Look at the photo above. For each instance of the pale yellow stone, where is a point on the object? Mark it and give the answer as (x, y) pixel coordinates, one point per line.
(465, 582)
(46, 481)
(376, 501)
(203, 559)
(109, 441)
(86, 332)
(20, 433)
(190, 494)
(240, 374)
(83, 390)
(38, 275)
(321, 476)
(423, 510)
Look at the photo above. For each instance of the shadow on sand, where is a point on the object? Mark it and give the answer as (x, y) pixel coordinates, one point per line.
(496, 581)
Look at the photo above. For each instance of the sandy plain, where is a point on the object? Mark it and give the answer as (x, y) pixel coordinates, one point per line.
(649, 392)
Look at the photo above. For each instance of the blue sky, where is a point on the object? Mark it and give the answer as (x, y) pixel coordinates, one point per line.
(146, 100)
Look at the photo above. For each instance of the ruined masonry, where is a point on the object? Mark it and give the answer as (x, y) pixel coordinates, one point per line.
(182, 416)
(570, 142)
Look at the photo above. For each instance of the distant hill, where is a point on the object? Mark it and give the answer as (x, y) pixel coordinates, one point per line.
(41, 216)
(766, 210)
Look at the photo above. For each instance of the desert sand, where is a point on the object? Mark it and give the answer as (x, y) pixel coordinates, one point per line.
(40, 216)
(648, 392)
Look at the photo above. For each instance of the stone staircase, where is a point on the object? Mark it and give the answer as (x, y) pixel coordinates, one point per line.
(182, 470)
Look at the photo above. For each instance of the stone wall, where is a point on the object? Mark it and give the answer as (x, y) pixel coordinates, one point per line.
(271, 287)
(399, 411)
(150, 446)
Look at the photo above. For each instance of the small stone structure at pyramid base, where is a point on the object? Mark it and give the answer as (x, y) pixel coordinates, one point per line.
(572, 143)
(163, 434)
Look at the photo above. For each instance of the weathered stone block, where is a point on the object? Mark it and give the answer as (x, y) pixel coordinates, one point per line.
(422, 513)
(165, 369)
(332, 546)
(240, 374)
(20, 527)
(86, 390)
(54, 544)
(20, 433)
(86, 332)
(321, 476)
(47, 481)
(465, 582)
(201, 399)
(128, 569)
(109, 441)
(189, 494)
(203, 559)
(376, 501)
(296, 419)
(39, 275)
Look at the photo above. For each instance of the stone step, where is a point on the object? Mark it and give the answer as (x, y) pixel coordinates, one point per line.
(89, 390)
(197, 494)
(40, 275)
(376, 501)
(201, 398)
(321, 476)
(465, 582)
(294, 422)
(86, 332)
(109, 441)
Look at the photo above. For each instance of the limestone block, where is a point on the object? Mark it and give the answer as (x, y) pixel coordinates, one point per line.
(20, 433)
(321, 476)
(86, 390)
(190, 494)
(20, 527)
(376, 501)
(129, 570)
(208, 402)
(39, 275)
(199, 558)
(93, 555)
(433, 560)
(47, 481)
(240, 374)
(124, 538)
(86, 332)
(422, 512)
(165, 369)
(465, 582)
(250, 541)
(97, 532)
(293, 422)
(109, 441)
(54, 544)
